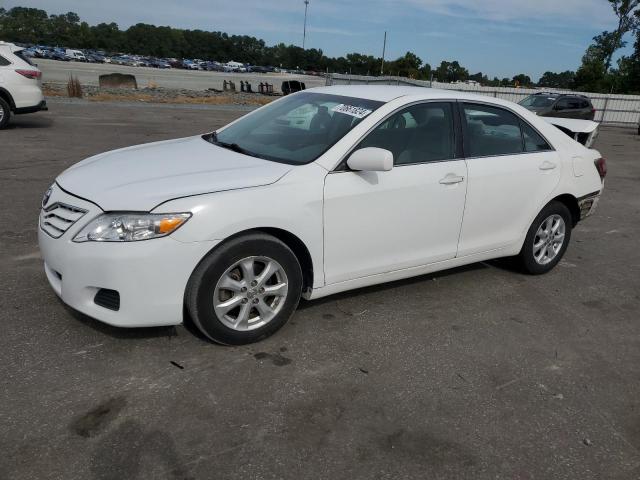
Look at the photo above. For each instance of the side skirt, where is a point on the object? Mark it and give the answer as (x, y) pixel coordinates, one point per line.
(408, 272)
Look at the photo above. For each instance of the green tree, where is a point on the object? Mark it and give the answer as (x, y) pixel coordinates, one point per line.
(25, 25)
(609, 42)
(522, 80)
(629, 67)
(452, 72)
(407, 66)
(65, 29)
(564, 80)
(594, 74)
(107, 36)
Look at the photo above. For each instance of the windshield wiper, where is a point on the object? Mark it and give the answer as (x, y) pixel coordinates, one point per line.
(213, 138)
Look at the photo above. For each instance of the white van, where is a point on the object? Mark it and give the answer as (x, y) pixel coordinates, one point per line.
(76, 55)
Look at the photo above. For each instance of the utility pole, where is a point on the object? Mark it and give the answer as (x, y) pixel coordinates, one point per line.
(304, 32)
(384, 48)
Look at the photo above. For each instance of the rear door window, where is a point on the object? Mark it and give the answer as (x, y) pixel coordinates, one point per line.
(491, 131)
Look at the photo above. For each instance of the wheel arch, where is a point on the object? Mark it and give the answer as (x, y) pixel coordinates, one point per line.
(299, 249)
(297, 246)
(571, 203)
(4, 94)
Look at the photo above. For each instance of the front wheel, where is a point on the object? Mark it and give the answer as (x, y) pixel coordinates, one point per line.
(547, 239)
(244, 290)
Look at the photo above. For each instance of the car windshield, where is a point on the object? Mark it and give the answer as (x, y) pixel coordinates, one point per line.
(538, 101)
(297, 129)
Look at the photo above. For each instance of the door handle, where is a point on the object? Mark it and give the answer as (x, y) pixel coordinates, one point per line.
(547, 165)
(451, 179)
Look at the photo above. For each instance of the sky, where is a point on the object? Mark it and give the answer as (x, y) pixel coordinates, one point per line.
(498, 37)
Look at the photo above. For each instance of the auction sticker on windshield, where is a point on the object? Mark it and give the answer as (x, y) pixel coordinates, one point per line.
(357, 112)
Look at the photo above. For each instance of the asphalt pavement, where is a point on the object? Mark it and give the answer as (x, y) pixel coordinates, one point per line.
(474, 373)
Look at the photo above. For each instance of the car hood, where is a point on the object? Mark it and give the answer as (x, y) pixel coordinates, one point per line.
(143, 176)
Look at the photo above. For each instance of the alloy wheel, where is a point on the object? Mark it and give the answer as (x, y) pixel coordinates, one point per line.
(250, 293)
(549, 239)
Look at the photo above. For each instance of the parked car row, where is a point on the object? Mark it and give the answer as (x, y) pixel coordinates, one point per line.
(98, 56)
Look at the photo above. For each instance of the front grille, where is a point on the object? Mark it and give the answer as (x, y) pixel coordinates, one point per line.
(108, 299)
(59, 217)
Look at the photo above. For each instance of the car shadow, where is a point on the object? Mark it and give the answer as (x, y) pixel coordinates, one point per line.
(383, 287)
(171, 331)
(120, 332)
(19, 122)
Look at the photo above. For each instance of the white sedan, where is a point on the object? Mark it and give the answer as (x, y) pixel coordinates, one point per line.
(323, 191)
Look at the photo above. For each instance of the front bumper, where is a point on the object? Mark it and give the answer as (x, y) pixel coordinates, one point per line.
(150, 276)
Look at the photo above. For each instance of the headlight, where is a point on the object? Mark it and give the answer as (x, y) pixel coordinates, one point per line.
(130, 227)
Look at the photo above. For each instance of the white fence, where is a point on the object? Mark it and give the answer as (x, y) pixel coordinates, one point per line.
(611, 109)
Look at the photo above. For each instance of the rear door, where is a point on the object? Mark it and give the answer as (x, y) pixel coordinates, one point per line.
(511, 168)
(561, 108)
(577, 108)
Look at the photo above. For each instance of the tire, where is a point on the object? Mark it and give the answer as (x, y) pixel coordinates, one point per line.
(233, 277)
(540, 253)
(5, 113)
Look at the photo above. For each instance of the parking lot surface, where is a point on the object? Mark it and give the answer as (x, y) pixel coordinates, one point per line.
(58, 72)
(475, 373)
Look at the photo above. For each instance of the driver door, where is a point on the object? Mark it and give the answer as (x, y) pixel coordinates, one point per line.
(379, 222)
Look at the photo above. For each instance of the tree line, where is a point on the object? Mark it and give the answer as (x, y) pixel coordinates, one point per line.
(596, 74)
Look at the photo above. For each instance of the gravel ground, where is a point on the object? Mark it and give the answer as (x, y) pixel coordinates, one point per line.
(88, 73)
(475, 373)
(161, 95)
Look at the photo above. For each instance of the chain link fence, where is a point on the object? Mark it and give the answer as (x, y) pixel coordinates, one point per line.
(611, 109)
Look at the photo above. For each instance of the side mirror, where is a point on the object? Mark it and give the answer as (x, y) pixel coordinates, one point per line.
(371, 159)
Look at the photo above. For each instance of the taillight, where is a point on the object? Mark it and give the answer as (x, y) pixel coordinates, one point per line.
(601, 166)
(32, 74)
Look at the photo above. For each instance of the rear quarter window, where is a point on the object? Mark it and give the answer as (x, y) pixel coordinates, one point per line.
(4, 62)
(533, 141)
(20, 54)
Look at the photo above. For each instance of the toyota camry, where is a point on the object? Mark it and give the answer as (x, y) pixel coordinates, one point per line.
(319, 192)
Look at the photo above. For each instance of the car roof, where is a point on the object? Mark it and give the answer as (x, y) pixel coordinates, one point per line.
(386, 93)
(558, 94)
(9, 46)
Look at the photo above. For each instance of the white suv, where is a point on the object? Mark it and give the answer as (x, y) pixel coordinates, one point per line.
(20, 84)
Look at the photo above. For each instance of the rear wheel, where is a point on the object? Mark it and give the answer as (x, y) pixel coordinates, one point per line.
(547, 239)
(244, 290)
(5, 113)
